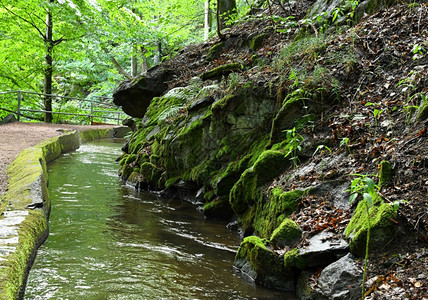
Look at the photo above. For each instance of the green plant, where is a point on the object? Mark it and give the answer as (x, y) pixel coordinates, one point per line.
(418, 51)
(234, 79)
(293, 141)
(345, 143)
(321, 148)
(376, 114)
(364, 186)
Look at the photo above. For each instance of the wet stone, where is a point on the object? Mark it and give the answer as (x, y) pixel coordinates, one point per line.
(11, 221)
(7, 231)
(6, 250)
(14, 213)
(323, 249)
(8, 241)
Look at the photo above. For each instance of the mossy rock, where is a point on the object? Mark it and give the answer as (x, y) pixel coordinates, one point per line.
(269, 215)
(262, 265)
(422, 112)
(219, 208)
(256, 41)
(286, 234)
(382, 229)
(221, 71)
(293, 260)
(134, 177)
(291, 110)
(95, 134)
(125, 172)
(214, 50)
(245, 192)
(230, 176)
(151, 173)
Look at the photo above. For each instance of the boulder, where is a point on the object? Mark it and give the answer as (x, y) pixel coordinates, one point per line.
(134, 95)
(382, 229)
(9, 119)
(262, 265)
(323, 249)
(341, 279)
(286, 234)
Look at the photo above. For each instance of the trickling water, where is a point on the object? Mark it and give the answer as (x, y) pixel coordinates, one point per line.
(109, 242)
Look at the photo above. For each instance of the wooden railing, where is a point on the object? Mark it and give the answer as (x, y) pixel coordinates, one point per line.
(95, 108)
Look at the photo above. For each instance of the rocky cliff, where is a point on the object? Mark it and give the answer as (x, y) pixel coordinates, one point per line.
(278, 126)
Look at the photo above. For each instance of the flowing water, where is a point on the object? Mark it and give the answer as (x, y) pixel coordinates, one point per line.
(108, 241)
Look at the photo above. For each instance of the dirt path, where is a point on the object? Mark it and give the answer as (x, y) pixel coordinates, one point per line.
(14, 137)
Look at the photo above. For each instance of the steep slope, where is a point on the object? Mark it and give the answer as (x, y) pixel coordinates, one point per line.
(276, 126)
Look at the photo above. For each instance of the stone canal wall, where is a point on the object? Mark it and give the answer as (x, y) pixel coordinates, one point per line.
(25, 206)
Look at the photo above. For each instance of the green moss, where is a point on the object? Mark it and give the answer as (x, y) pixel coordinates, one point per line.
(130, 159)
(286, 117)
(257, 41)
(264, 262)
(151, 173)
(385, 173)
(221, 70)
(230, 176)
(293, 260)
(134, 177)
(32, 231)
(218, 208)
(214, 50)
(286, 234)
(269, 215)
(208, 196)
(27, 182)
(423, 112)
(171, 181)
(154, 159)
(94, 134)
(246, 190)
(221, 104)
(141, 158)
(126, 172)
(382, 228)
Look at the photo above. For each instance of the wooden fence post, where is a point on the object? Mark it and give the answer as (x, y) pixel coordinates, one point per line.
(19, 105)
(92, 110)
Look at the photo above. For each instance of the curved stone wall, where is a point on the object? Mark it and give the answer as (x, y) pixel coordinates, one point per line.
(26, 205)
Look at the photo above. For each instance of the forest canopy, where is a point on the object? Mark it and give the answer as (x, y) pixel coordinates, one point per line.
(87, 46)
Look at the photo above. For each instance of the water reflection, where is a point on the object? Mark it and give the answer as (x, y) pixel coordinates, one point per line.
(109, 242)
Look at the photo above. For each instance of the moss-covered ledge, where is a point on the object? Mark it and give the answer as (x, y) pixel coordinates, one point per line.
(25, 207)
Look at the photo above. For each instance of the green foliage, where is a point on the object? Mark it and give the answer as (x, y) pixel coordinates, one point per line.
(293, 141)
(88, 35)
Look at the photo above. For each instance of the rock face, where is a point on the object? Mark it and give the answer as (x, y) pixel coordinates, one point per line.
(9, 119)
(262, 265)
(341, 279)
(134, 95)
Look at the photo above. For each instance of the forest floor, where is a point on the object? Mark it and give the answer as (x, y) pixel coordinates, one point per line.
(383, 79)
(16, 136)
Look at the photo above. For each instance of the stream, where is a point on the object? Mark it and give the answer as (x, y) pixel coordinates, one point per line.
(108, 241)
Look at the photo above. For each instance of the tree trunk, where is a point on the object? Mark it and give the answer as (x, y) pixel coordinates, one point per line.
(208, 20)
(49, 45)
(134, 62)
(158, 55)
(225, 9)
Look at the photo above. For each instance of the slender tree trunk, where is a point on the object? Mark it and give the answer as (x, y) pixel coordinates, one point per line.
(225, 8)
(208, 20)
(144, 62)
(49, 45)
(134, 62)
(158, 55)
